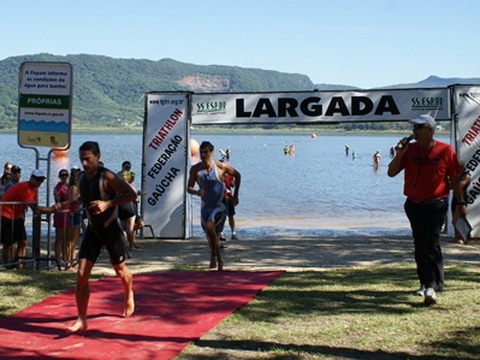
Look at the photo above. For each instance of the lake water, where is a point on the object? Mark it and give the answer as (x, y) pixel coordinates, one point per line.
(318, 191)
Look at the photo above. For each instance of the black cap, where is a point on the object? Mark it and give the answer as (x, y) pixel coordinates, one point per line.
(16, 169)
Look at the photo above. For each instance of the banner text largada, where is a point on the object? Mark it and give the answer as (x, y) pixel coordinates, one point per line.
(305, 107)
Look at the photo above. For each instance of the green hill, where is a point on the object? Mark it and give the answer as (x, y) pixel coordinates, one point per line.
(108, 92)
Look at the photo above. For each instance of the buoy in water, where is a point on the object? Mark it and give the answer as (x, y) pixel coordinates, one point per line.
(194, 147)
(60, 152)
(314, 136)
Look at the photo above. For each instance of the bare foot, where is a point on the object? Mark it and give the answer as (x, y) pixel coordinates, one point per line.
(213, 263)
(136, 246)
(129, 305)
(220, 265)
(79, 324)
(456, 241)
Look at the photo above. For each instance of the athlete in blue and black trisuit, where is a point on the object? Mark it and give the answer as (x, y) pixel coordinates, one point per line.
(209, 174)
(101, 191)
(213, 205)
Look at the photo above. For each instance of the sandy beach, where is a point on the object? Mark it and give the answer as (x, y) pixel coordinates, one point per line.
(285, 253)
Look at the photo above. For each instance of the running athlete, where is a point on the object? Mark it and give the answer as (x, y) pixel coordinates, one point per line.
(209, 174)
(101, 191)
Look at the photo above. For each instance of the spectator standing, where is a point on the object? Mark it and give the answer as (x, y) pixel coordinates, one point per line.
(13, 220)
(127, 212)
(16, 174)
(75, 219)
(429, 165)
(229, 188)
(7, 168)
(61, 218)
(3, 183)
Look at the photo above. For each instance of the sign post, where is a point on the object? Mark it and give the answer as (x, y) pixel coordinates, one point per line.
(44, 118)
(45, 104)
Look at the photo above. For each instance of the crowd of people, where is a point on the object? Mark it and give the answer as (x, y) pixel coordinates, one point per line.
(94, 194)
(17, 197)
(430, 167)
(68, 225)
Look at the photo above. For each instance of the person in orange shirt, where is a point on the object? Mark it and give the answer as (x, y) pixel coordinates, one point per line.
(13, 220)
(430, 168)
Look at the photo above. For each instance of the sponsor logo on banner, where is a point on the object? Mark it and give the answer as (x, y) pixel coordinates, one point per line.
(427, 103)
(211, 107)
(472, 95)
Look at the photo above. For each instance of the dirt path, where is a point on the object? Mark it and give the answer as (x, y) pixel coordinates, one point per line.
(291, 254)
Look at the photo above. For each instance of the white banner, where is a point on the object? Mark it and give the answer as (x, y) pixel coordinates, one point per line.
(317, 106)
(164, 170)
(466, 100)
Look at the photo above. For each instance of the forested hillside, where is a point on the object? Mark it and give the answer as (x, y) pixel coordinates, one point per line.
(108, 92)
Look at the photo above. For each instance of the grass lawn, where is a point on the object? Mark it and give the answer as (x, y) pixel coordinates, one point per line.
(351, 314)
(345, 313)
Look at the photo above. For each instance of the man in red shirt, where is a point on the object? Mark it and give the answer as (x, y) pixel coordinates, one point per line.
(13, 221)
(430, 165)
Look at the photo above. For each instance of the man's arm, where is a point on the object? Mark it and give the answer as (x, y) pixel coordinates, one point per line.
(227, 168)
(458, 190)
(47, 209)
(124, 193)
(395, 165)
(192, 179)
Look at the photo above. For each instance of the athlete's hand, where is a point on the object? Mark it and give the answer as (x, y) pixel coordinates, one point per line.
(97, 207)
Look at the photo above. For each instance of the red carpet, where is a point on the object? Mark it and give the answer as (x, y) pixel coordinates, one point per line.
(172, 309)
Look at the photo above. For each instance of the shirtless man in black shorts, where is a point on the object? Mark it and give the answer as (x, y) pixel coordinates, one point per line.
(101, 191)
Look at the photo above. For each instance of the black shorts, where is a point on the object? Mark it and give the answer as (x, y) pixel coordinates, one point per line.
(230, 206)
(76, 219)
(112, 238)
(126, 211)
(13, 231)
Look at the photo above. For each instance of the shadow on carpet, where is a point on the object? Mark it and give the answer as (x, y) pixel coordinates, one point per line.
(172, 310)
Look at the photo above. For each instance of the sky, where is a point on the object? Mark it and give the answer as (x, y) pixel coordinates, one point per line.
(363, 43)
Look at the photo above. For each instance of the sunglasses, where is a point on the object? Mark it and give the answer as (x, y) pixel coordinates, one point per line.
(39, 179)
(64, 175)
(418, 126)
